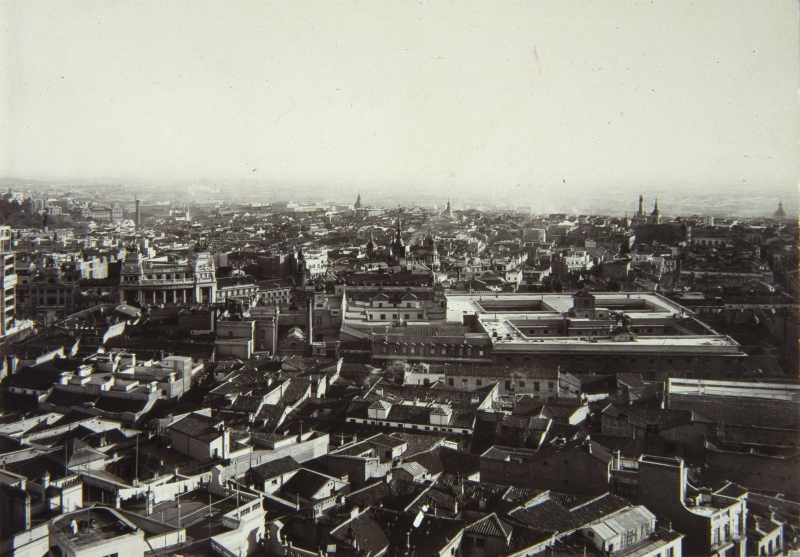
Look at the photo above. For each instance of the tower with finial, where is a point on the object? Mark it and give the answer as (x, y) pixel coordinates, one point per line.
(655, 217)
(398, 246)
(358, 202)
(448, 212)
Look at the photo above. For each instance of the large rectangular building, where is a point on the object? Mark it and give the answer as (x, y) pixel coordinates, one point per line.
(598, 333)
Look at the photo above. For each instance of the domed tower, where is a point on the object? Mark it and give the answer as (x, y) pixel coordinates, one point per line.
(357, 204)
(780, 214)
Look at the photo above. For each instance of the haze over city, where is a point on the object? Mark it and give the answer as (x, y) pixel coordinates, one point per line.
(480, 278)
(557, 105)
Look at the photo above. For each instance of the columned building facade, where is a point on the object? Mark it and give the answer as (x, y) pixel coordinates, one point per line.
(168, 279)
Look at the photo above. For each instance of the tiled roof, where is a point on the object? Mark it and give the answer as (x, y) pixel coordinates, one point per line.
(418, 443)
(297, 389)
(403, 494)
(450, 461)
(596, 509)
(546, 516)
(217, 400)
(247, 403)
(276, 468)
(413, 468)
(522, 538)
(272, 415)
(491, 526)
(198, 426)
(369, 495)
(362, 532)
(305, 483)
(232, 388)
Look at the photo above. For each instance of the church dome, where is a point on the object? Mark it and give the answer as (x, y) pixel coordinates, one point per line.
(780, 213)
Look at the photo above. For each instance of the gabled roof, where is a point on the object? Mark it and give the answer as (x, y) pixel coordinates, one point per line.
(491, 526)
(413, 468)
(449, 461)
(276, 468)
(198, 426)
(305, 483)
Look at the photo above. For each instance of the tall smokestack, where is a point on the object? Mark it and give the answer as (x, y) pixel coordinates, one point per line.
(641, 205)
(138, 214)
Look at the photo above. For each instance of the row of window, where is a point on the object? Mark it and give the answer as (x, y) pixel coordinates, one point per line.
(394, 316)
(616, 359)
(433, 350)
(411, 426)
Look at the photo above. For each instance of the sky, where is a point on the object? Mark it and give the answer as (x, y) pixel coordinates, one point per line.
(460, 98)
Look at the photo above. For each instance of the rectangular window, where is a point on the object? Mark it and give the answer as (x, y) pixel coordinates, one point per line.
(478, 382)
(451, 382)
(535, 385)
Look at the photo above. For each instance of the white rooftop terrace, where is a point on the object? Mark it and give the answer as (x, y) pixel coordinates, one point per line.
(547, 306)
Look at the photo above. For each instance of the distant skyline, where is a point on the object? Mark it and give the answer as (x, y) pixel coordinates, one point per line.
(527, 100)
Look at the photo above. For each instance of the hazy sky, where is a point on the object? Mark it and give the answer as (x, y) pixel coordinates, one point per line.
(455, 96)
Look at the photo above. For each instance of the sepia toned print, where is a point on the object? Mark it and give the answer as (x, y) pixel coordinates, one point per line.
(373, 279)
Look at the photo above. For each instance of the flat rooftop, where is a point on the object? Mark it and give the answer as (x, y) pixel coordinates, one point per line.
(546, 306)
(92, 525)
(514, 323)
